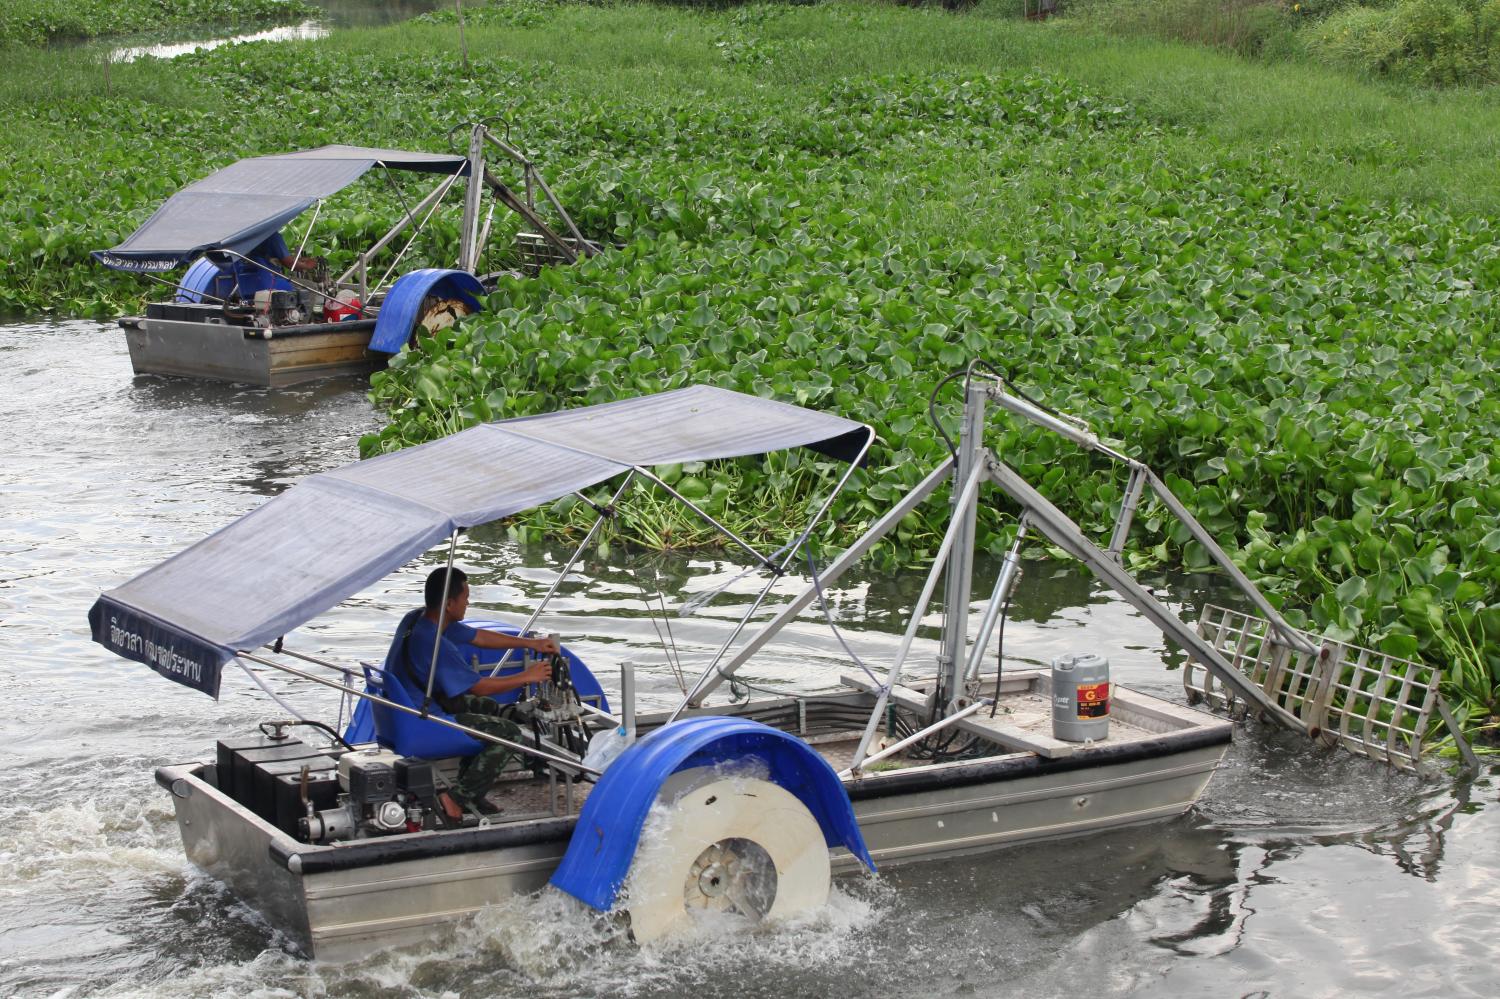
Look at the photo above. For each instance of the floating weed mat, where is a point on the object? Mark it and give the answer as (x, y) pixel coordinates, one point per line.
(1371, 703)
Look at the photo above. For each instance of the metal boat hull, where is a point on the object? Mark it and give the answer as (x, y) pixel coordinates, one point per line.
(245, 354)
(947, 822)
(337, 912)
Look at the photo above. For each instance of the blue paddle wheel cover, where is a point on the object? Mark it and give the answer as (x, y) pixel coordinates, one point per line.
(604, 842)
(399, 311)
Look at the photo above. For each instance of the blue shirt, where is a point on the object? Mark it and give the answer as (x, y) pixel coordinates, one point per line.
(411, 654)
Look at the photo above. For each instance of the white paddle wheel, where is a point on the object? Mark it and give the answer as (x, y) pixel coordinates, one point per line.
(732, 844)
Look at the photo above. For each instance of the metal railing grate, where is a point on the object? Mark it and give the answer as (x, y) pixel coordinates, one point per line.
(1371, 703)
(533, 251)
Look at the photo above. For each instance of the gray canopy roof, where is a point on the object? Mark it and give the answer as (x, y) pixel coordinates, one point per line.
(242, 204)
(336, 533)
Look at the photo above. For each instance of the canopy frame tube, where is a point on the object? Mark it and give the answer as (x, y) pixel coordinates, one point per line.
(711, 679)
(604, 515)
(361, 264)
(777, 570)
(437, 637)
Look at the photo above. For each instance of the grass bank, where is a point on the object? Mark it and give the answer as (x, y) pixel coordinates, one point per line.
(1274, 283)
(1430, 42)
(37, 22)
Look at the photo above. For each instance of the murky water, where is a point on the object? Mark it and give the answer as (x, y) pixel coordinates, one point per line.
(336, 14)
(1300, 874)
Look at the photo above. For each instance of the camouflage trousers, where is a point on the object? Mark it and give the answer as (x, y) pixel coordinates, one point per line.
(478, 773)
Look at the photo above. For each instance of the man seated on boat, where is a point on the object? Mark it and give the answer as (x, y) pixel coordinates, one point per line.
(457, 689)
(262, 268)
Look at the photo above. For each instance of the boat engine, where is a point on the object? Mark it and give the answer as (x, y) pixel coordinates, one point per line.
(278, 308)
(381, 794)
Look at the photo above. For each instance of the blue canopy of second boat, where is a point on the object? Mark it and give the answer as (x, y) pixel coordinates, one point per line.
(239, 206)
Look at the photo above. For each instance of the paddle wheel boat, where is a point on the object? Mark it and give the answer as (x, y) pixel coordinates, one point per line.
(740, 806)
(250, 309)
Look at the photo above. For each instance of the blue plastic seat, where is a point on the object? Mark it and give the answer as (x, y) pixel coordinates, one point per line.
(405, 734)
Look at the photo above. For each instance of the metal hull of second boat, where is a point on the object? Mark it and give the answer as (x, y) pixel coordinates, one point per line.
(340, 902)
(247, 355)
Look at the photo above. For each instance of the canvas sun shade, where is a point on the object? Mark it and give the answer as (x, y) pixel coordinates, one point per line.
(337, 532)
(242, 204)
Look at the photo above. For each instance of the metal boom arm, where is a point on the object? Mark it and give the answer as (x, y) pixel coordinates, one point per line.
(1068, 536)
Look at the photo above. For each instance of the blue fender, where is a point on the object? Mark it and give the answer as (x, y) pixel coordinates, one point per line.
(398, 313)
(604, 842)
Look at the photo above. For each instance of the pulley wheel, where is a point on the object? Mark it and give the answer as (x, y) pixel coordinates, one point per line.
(439, 314)
(720, 844)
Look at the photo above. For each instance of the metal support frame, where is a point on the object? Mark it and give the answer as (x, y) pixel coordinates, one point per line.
(1005, 582)
(711, 679)
(468, 243)
(1070, 538)
(1079, 432)
(973, 464)
(1287, 634)
(939, 562)
(484, 230)
(1465, 751)
(627, 700)
(400, 254)
(895, 748)
(427, 204)
(1127, 513)
(960, 580)
(508, 198)
(777, 569)
(598, 712)
(568, 567)
(531, 178)
(474, 227)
